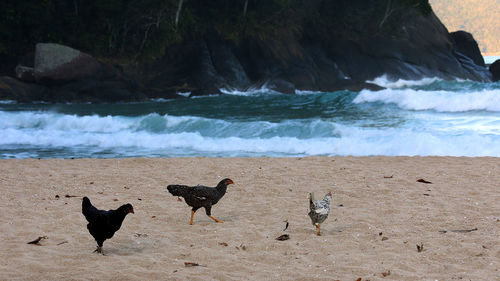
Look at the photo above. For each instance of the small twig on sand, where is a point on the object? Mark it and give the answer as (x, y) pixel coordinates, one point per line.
(37, 241)
(459, 230)
(286, 224)
(191, 264)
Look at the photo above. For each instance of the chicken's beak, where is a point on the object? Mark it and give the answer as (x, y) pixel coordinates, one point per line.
(131, 211)
(229, 182)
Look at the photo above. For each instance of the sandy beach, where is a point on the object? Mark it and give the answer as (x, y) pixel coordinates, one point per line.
(380, 213)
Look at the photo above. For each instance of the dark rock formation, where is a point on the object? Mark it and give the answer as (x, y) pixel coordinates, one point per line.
(335, 45)
(465, 44)
(320, 57)
(495, 70)
(13, 89)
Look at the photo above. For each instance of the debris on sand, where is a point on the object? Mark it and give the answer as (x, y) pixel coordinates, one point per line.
(459, 230)
(192, 264)
(283, 237)
(424, 181)
(37, 241)
(286, 224)
(385, 274)
(420, 247)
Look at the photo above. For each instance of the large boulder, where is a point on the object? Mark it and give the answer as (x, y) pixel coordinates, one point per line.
(58, 64)
(465, 44)
(495, 70)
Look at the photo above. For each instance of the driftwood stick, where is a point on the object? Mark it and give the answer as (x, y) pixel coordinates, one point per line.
(459, 230)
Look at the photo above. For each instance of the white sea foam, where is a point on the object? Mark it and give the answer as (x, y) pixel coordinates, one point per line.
(440, 101)
(161, 100)
(383, 81)
(409, 142)
(491, 59)
(249, 92)
(7, 102)
(185, 136)
(306, 92)
(184, 94)
(354, 141)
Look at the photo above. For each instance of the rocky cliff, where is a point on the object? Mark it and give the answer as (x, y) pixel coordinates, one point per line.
(321, 45)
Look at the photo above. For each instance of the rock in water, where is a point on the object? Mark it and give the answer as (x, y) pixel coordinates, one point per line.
(495, 70)
(466, 45)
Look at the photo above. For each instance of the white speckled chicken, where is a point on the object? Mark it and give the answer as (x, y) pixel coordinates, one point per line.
(319, 210)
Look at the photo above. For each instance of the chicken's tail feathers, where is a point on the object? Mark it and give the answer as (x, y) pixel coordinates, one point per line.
(311, 200)
(86, 203)
(176, 190)
(87, 207)
(311, 197)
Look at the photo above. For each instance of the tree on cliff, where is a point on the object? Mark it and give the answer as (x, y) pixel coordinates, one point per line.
(179, 8)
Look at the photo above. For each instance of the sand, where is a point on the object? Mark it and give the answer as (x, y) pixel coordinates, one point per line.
(380, 213)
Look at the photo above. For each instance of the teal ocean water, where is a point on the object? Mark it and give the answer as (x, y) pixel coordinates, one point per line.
(427, 117)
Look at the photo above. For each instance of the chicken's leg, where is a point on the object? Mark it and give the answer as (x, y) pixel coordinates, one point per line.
(318, 229)
(216, 220)
(192, 215)
(99, 250)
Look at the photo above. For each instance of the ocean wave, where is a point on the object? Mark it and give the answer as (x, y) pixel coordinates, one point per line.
(453, 118)
(351, 141)
(249, 92)
(385, 82)
(153, 123)
(306, 92)
(440, 101)
(8, 102)
(56, 121)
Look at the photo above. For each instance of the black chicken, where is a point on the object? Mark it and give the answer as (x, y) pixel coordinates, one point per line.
(103, 224)
(201, 196)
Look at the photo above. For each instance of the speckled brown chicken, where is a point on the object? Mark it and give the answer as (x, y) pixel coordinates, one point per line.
(319, 210)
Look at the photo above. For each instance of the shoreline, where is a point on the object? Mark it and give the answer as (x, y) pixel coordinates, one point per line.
(385, 213)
